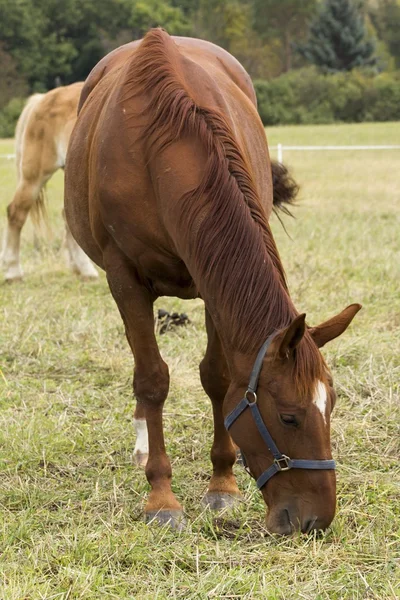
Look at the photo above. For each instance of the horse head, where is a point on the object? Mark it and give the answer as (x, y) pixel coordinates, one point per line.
(282, 424)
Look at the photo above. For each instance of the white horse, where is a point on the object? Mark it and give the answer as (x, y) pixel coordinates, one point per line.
(41, 137)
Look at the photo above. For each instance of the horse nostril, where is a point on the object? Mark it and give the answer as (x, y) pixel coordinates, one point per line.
(281, 523)
(308, 526)
(286, 517)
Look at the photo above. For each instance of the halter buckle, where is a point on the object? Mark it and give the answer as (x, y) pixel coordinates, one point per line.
(283, 463)
(252, 392)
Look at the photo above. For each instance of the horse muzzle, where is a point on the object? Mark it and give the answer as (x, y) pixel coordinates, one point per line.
(289, 518)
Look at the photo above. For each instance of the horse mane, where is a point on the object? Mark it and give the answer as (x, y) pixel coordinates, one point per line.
(222, 223)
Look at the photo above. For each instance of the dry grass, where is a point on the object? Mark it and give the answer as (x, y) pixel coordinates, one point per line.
(70, 497)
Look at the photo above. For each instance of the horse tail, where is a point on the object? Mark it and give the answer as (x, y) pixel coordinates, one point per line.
(38, 210)
(20, 129)
(284, 186)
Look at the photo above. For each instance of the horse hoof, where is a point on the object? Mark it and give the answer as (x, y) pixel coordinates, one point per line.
(173, 518)
(220, 500)
(140, 458)
(12, 274)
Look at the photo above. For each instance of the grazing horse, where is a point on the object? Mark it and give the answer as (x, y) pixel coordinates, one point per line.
(169, 189)
(42, 135)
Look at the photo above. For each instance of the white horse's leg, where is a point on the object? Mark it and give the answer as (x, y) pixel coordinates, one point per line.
(79, 262)
(26, 194)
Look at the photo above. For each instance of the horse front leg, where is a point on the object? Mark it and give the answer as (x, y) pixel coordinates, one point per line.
(150, 383)
(222, 490)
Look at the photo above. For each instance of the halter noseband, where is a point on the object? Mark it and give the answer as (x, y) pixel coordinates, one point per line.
(281, 461)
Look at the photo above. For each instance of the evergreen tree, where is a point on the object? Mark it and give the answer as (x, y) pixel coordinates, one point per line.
(338, 39)
(283, 20)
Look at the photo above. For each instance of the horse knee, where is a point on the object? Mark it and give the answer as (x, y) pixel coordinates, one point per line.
(151, 385)
(213, 380)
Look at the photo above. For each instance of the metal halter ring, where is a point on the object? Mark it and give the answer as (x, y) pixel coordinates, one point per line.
(286, 462)
(248, 391)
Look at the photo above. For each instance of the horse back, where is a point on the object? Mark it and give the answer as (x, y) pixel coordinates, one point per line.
(131, 193)
(43, 130)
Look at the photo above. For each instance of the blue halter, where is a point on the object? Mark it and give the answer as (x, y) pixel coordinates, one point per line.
(281, 461)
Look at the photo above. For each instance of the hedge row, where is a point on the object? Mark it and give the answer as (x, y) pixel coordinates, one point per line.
(303, 96)
(9, 117)
(306, 96)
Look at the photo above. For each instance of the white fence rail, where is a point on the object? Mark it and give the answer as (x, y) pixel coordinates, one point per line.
(281, 148)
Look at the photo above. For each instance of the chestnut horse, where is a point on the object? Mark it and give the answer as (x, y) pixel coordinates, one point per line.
(169, 190)
(41, 140)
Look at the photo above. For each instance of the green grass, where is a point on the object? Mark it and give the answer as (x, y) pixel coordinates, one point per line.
(71, 499)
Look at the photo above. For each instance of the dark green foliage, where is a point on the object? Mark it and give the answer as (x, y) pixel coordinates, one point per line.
(386, 19)
(306, 96)
(12, 83)
(338, 39)
(144, 14)
(47, 42)
(9, 117)
(286, 20)
(50, 39)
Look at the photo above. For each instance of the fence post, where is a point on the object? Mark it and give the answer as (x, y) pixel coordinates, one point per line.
(280, 153)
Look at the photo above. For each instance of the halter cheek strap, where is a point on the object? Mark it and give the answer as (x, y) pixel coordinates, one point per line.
(281, 461)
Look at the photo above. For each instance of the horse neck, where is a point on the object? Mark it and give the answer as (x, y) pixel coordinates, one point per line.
(227, 244)
(249, 305)
(220, 228)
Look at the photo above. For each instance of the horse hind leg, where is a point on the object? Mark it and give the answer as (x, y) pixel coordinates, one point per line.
(141, 451)
(79, 262)
(150, 383)
(26, 194)
(222, 490)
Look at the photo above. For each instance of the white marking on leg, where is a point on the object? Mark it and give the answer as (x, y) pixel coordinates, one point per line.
(10, 254)
(79, 261)
(320, 398)
(141, 450)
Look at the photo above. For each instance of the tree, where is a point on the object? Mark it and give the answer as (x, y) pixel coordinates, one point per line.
(12, 84)
(286, 20)
(338, 40)
(49, 39)
(145, 14)
(385, 16)
(229, 23)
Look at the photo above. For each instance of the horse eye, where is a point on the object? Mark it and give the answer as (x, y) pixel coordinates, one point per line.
(289, 420)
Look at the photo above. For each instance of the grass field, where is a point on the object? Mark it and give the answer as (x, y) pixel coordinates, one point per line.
(70, 496)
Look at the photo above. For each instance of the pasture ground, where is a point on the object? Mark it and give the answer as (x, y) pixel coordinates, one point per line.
(70, 497)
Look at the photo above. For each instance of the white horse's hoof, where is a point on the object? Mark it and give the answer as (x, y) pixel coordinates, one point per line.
(13, 273)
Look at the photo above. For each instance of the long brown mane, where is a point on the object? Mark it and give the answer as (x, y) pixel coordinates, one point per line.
(223, 224)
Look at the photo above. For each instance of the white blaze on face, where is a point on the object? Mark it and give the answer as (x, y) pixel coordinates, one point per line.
(320, 399)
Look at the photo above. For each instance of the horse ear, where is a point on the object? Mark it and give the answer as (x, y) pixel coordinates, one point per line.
(334, 327)
(292, 335)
